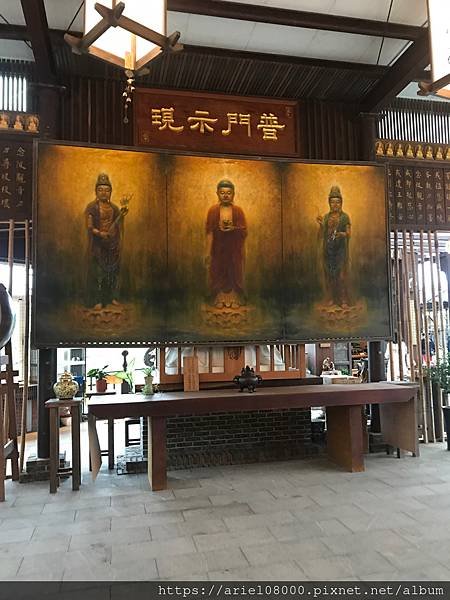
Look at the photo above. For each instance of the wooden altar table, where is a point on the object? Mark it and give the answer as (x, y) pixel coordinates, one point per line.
(343, 403)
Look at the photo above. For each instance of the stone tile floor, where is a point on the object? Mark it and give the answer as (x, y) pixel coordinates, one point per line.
(295, 520)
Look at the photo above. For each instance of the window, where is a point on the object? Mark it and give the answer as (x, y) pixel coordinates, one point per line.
(13, 93)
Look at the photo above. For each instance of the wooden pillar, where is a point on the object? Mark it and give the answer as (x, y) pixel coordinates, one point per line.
(49, 109)
(368, 135)
(157, 453)
(47, 377)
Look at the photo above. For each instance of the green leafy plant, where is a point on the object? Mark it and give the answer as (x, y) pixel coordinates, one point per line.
(440, 373)
(98, 373)
(147, 370)
(126, 375)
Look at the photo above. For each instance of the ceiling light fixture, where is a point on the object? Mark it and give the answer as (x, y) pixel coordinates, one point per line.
(127, 34)
(439, 28)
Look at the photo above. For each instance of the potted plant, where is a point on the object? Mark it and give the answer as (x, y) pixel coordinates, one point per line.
(126, 377)
(149, 361)
(440, 375)
(100, 378)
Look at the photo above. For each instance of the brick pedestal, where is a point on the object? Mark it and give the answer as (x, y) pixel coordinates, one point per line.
(38, 469)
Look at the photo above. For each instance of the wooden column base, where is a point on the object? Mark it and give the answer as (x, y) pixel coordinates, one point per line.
(345, 437)
(2, 455)
(399, 425)
(157, 453)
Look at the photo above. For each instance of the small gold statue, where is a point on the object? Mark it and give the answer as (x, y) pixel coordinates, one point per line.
(429, 153)
(379, 149)
(409, 151)
(419, 152)
(18, 123)
(33, 123)
(390, 149)
(4, 121)
(447, 154)
(399, 152)
(439, 154)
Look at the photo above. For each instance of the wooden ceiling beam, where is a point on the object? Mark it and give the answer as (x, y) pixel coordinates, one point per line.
(13, 32)
(373, 71)
(402, 72)
(295, 18)
(370, 70)
(39, 35)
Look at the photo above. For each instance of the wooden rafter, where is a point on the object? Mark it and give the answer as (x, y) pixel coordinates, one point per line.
(37, 28)
(294, 18)
(402, 72)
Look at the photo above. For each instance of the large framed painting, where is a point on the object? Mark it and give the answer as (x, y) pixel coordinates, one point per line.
(100, 246)
(133, 247)
(224, 249)
(335, 252)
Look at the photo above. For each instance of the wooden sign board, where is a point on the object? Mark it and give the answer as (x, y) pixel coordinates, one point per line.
(215, 123)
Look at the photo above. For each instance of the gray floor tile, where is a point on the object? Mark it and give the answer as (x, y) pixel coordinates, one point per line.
(146, 520)
(295, 531)
(87, 514)
(23, 534)
(9, 567)
(138, 553)
(217, 541)
(185, 564)
(109, 538)
(217, 512)
(256, 521)
(182, 504)
(72, 528)
(286, 571)
(191, 527)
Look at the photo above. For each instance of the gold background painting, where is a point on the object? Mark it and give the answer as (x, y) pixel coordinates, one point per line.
(66, 184)
(163, 280)
(191, 188)
(306, 188)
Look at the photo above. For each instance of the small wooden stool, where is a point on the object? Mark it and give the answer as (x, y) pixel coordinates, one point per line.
(75, 409)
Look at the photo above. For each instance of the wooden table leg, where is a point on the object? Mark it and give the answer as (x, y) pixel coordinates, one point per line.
(345, 437)
(76, 455)
(110, 444)
(399, 425)
(157, 453)
(54, 456)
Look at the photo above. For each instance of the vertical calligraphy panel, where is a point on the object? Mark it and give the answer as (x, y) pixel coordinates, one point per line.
(430, 208)
(391, 195)
(16, 159)
(399, 195)
(409, 195)
(447, 195)
(438, 176)
(419, 189)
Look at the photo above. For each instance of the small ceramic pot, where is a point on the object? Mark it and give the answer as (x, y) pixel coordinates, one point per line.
(66, 387)
(101, 385)
(147, 390)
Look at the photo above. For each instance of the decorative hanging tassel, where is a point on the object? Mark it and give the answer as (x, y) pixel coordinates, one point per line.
(127, 94)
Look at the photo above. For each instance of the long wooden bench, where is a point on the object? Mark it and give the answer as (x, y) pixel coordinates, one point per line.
(344, 404)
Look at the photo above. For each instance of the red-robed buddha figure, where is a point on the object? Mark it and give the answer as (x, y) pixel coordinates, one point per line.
(226, 230)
